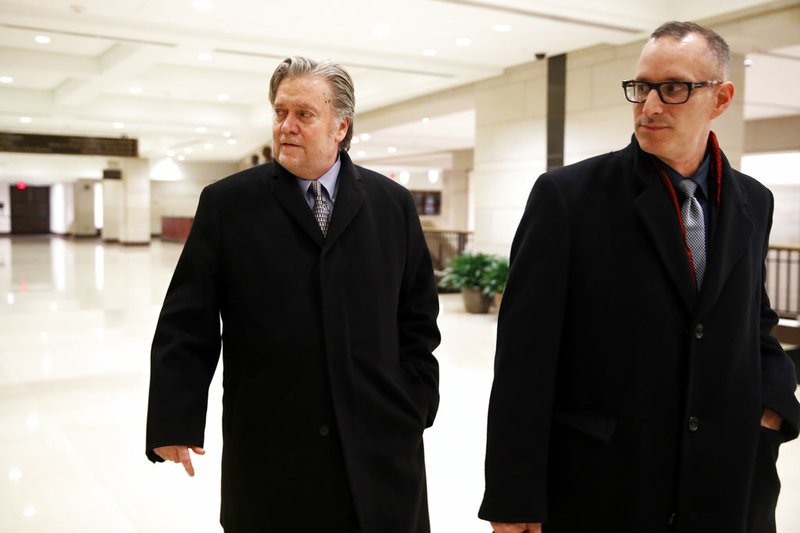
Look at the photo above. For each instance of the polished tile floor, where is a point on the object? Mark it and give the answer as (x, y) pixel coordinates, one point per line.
(76, 320)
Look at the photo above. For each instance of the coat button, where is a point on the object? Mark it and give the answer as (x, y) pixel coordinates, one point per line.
(324, 431)
(694, 423)
(698, 331)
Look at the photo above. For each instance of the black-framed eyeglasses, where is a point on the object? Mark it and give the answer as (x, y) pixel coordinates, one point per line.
(670, 92)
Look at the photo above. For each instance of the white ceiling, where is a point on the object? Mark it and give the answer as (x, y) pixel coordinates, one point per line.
(80, 83)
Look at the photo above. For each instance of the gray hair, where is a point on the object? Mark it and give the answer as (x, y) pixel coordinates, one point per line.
(717, 46)
(344, 100)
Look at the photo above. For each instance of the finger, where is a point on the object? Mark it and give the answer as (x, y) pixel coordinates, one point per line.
(198, 450)
(186, 460)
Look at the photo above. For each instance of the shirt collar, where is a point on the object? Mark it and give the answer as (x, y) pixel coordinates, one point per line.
(700, 177)
(329, 180)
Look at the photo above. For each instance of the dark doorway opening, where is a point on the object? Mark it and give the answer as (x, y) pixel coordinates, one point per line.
(30, 209)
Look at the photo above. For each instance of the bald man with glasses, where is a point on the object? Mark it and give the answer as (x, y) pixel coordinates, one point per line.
(637, 386)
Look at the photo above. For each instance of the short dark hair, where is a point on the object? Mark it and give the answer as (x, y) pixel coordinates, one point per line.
(716, 44)
(344, 99)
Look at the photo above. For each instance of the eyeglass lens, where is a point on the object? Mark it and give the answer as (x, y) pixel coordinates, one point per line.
(671, 93)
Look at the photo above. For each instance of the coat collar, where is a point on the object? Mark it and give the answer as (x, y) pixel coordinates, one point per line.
(349, 198)
(731, 237)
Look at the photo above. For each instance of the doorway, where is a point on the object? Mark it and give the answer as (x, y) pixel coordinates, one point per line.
(30, 209)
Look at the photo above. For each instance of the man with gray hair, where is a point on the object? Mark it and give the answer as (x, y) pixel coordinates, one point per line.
(320, 275)
(637, 387)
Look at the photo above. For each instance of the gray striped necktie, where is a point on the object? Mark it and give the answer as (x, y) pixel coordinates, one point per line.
(695, 226)
(321, 212)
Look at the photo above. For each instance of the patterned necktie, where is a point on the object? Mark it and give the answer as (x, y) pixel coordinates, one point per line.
(321, 212)
(695, 226)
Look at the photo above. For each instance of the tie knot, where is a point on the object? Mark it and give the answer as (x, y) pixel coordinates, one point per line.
(316, 189)
(687, 187)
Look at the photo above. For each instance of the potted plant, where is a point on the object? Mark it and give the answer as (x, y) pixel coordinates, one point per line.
(467, 272)
(494, 280)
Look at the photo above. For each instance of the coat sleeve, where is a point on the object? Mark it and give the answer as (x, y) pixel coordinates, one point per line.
(186, 344)
(778, 377)
(530, 325)
(418, 307)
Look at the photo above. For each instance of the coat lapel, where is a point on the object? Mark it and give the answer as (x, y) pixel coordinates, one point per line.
(349, 199)
(288, 194)
(731, 238)
(658, 215)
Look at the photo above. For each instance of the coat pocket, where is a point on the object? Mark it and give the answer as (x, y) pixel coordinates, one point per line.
(594, 426)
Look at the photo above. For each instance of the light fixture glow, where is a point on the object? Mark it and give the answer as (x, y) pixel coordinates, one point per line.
(181, 157)
(232, 141)
(405, 177)
(502, 28)
(25, 120)
(365, 136)
(463, 41)
(118, 125)
(226, 134)
(223, 97)
(429, 52)
(14, 474)
(6, 79)
(170, 153)
(433, 175)
(188, 150)
(203, 5)
(425, 120)
(166, 170)
(748, 62)
(135, 90)
(392, 149)
(42, 39)
(361, 153)
(205, 56)
(29, 511)
(208, 146)
(355, 140)
(201, 129)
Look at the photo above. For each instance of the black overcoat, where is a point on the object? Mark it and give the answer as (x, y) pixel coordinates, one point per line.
(327, 348)
(623, 401)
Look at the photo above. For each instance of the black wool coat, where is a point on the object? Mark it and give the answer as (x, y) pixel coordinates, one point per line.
(329, 378)
(624, 401)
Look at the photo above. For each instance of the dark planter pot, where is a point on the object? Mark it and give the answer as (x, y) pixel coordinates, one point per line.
(475, 301)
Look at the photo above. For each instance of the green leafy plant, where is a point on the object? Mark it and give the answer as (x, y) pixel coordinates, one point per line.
(467, 270)
(495, 276)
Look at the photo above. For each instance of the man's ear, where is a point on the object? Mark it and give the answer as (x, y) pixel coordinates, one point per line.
(341, 131)
(724, 98)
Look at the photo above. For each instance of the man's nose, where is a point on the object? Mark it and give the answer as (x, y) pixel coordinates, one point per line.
(289, 125)
(652, 105)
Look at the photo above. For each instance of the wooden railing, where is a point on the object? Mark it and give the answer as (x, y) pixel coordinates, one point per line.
(444, 245)
(783, 280)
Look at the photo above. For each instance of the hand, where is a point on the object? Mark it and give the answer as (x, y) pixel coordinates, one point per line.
(179, 454)
(771, 420)
(500, 527)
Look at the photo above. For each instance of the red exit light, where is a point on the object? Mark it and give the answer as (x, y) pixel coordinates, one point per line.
(21, 185)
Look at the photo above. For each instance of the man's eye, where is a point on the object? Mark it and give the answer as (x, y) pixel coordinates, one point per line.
(673, 88)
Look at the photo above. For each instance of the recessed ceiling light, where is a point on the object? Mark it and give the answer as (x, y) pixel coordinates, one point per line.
(748, 62)
(226, 134)
(429, 52)
(203, 5)
(232, 141)
(381, 31)
(188, 150)
(502, 28)
(365, 136)
(208, 146)
(6, 79)
(181, 157)
(425, 120)
(463, 41)
(201, 129)
(355, 140)
(361, 153)
(135, 90)
(25, 120)
(392, 150)
(42, 39)
(118, 125)
(223, 97)
(170, 153)
(205, 56)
